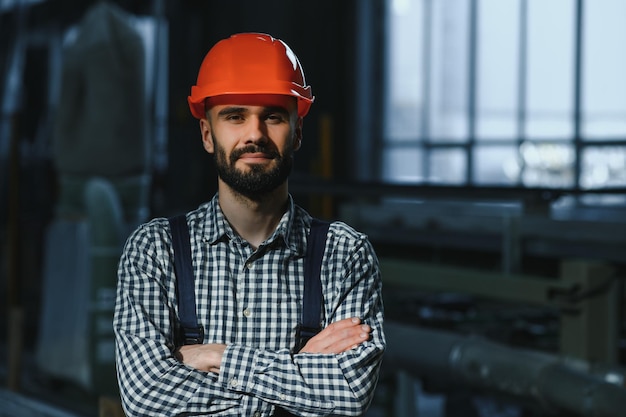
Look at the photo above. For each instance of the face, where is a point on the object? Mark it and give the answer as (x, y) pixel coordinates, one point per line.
(253, 140)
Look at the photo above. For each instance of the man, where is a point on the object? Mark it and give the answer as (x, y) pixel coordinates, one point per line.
(248, 245)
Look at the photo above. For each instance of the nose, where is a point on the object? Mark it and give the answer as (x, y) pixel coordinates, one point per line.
(257, 131)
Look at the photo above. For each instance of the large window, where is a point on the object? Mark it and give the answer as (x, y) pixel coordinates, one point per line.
(514, 92)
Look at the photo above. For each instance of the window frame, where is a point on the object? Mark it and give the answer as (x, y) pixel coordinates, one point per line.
(373, 73)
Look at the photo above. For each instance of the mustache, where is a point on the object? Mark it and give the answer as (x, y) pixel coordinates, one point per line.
(236, 154)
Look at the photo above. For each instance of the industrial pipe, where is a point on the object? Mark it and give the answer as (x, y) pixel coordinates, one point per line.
(548, 381)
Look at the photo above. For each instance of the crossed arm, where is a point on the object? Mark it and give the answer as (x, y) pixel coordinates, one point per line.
(335, 372)
(338, 337)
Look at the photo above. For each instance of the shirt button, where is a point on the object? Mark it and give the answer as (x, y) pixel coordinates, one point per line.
(234, 382)
(247, 312)
(281, 396)
(249, 265)
(256, 414)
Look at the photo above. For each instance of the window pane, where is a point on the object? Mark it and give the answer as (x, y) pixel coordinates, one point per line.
(603, 167)
(403, 107)
(550, 71)
(403, 165)
(498, 49)
(427, 88)
(447, 166)
(427, 92)
(604, 87)
(495, 165)
(449, 71)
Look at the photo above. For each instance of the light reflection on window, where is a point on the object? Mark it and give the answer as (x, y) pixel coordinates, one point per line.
(603, 166)
(546, 164)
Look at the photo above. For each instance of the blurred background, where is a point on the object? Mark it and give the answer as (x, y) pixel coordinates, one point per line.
(481, 144)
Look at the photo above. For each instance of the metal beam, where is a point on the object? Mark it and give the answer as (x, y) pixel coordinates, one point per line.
(512, 288)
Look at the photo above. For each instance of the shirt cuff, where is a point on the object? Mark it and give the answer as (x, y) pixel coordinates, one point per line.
(237, 370)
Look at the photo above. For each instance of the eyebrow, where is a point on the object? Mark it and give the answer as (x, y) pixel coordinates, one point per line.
(226, 111)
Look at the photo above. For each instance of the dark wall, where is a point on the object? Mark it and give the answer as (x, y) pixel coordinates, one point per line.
(322, 33)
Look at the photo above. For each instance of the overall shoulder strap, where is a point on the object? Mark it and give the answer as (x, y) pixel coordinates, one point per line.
(312, 298)
(190, 332)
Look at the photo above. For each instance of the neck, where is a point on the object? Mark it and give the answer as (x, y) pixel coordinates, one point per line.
(254, 220)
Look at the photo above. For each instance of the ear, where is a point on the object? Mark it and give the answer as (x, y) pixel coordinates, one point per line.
(297, 137)
(207, 136)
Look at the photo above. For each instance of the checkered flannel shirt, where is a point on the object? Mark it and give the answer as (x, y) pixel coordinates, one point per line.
(250, 300)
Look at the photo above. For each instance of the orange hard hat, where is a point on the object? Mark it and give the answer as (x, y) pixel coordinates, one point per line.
(250, 63)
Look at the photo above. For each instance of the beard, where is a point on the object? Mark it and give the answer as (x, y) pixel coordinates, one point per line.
(260, 180)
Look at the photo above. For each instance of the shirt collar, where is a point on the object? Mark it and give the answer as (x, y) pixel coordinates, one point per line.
(215, 226)
(290, 227)
(284, 225)
(296, 228)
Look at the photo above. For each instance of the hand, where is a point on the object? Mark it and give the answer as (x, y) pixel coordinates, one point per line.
(206, 358)
(338, 337)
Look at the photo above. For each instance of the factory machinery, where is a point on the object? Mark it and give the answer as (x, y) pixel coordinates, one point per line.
(512, 294)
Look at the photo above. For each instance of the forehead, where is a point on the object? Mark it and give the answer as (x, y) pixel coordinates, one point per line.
(264, 100)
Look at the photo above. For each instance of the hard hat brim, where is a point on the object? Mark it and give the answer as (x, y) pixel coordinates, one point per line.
(200, 94)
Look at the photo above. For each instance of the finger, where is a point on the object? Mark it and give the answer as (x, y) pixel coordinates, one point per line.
(349, 322)
(336, 340)
(337, 331)
(348, 332)
(341, 325)
(350, 339)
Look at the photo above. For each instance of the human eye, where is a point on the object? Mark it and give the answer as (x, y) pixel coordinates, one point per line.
(235, 117)
(232, 115)
(275, 117)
